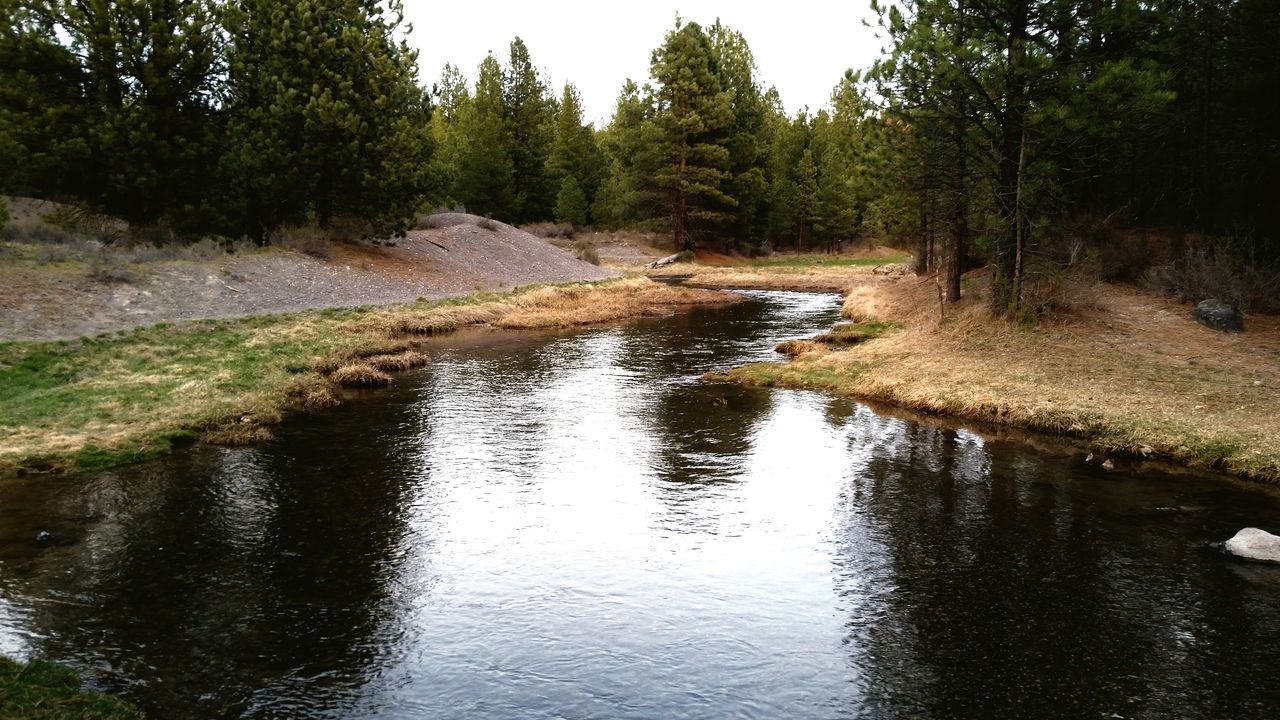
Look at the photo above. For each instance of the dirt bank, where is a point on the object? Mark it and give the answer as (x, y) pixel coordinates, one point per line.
(1129, 372)
(51, 290)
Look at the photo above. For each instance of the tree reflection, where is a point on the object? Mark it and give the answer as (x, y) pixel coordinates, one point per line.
(271, 568)
(1014, 586)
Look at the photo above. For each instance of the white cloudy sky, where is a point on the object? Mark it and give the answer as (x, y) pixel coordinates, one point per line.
(800, 46)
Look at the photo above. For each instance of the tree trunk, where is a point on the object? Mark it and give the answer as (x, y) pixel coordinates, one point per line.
(1012, 127)
(955, 251)
(925, 244)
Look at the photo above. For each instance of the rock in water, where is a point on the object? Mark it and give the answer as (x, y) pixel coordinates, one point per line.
(1219, 315)
(1255, 544)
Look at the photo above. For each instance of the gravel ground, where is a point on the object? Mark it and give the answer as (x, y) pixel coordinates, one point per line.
(454, 257)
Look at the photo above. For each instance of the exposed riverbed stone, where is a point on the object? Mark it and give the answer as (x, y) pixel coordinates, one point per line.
(1219, 315)
(1255, 544)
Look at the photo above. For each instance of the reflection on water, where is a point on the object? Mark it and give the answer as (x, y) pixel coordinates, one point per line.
(575, 526)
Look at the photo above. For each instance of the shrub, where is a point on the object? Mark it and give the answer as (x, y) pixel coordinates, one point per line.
(53, 254)
(585, 250)
(427, 222)
(1123, 258)
(110, 267)
(78, 221)
(488, 224)
(4, 214)
(308, 240)
(1067, 290)
(548, 230)
(1237, 270)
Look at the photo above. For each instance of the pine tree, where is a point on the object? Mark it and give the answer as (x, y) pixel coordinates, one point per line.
(44, 124)
(745, 136)
(327, 120)
(575, 152)
(113, 101)
(690, 122)
(486, 173)
(571, 203)
(621, 198)
(838, 213)
(807, 201)
(528, 110)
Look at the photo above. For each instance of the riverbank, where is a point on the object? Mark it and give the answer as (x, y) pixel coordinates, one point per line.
(43, 691)
(1128, 372)
(126, 396)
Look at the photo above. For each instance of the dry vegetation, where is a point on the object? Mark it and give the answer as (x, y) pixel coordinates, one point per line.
(815, 273)
(129, 395)
(1128, 371)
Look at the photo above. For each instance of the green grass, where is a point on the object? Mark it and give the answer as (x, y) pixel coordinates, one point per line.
(854, 333)
(128, 396)
(814, 260)
(42, 691)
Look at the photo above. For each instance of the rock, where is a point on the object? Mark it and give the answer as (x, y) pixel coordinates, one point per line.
(44, 536)
(1255, 544)
(1219, 315)
(1108, 465)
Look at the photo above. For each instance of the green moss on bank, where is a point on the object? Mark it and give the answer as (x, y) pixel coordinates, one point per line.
(42, 691)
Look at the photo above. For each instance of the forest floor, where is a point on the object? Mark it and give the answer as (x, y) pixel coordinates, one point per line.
(1127, 371)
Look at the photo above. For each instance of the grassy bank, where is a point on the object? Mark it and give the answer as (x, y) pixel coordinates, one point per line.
(42, 691)
(1127, 371)
(793, 276)
(126, 396)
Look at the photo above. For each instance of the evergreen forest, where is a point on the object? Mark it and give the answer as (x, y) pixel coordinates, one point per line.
(1011, 134)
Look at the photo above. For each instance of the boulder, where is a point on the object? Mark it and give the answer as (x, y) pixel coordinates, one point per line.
(1219, 315)
(1255, 544)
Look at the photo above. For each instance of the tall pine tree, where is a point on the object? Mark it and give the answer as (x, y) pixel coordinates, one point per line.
(690, 136)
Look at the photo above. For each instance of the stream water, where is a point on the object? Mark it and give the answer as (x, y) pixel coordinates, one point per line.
(574, 525)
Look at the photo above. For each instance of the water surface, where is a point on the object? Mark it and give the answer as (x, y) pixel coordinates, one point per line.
(574, 525)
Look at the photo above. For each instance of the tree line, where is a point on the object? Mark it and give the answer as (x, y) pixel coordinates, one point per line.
(1009, 120)
(988, 132)
(201, 116)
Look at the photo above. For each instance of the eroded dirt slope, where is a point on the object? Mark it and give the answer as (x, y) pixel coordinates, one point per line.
(458, 255)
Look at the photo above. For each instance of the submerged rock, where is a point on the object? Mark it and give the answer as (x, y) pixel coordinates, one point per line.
(1255, 544)
(1219, 315)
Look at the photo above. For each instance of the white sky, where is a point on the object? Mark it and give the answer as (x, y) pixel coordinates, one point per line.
(802, 46)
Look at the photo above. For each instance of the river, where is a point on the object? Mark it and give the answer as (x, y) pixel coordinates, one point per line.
(575, 525)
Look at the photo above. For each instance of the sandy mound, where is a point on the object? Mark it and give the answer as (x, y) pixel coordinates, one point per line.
(458, 254)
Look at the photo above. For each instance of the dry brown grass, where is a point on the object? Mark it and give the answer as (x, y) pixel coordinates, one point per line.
(571, 305)
(796, 348)
(358, 375)
(442, 320)
(311, 392)
(399, 362)
(1135, 374)
(837, 278)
